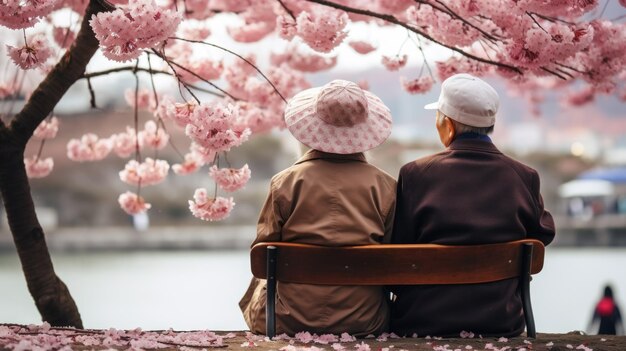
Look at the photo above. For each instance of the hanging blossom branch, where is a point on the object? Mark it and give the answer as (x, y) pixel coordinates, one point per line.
(447, 10)
(180, 81)
(394, 20)
(174, 63)
(240, 57)
(88, 76)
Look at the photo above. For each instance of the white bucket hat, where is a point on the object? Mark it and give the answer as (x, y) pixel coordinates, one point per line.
(467, 99)
(339, 118)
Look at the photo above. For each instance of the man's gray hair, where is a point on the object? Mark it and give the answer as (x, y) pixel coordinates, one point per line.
(464, 128)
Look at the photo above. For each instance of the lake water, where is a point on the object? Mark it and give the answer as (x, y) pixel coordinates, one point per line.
(200, 290)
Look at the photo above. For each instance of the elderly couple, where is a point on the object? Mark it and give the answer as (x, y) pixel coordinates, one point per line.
(468, 194)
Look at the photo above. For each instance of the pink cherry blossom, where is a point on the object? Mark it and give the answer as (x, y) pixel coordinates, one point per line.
(259, 20)
(142, 24)
(322, 28)
(194, 31)
(212, 127)
(208, 69)
(33, 54)
(153, 136)
(37, 167)
(256, 119)
(325, 339)
(145, 99)
(417, 86)
(63, 36)
(183, 113)
(18, 14)
(210, 209)
(394, 63)
(362, 47)
(47, 129)
(88, 148)
(149, 172)
(230, 179)
(286, 27)
(304, 337)
(204, 154)
(454, 65)
(362, 347)
(7, 89)
(132, 204)
(338, 347)
(345, 337)
(304, 62)
(465, 334)
(125, 144)
(581, 97)
(192, 163)
(282, 336)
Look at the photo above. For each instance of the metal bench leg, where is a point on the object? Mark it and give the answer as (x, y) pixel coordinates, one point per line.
(527, 259)
(270, 302)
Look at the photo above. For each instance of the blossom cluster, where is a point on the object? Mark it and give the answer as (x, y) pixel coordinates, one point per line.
(149, 172)
(417, 86)
(322, 29)
(47, 129)
(213, 126)
(18, 14)
(210, 208)
(132, 203)
(33, 54)
(124, 32)
(88, 148)
(230, 179)
(394, 63)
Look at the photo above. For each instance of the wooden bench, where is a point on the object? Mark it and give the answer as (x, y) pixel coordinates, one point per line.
(415, 264)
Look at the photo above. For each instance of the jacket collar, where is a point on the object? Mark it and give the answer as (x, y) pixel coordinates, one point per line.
(317, 155)
(473, 145)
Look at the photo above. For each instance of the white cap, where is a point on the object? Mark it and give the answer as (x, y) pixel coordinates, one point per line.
(468, 100)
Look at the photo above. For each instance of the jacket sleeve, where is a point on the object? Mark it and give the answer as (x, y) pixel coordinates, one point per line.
(543, 228)
(401, 225)
(389, 219)
(271, 222)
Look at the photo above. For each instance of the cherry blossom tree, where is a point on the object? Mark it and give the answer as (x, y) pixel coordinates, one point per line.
(560, 45)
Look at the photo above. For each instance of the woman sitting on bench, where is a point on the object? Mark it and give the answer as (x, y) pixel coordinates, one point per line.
(331, 197)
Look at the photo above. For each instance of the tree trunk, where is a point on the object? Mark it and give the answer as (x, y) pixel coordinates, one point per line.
(52, 298)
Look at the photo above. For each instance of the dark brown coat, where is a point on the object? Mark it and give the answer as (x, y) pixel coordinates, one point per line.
(329, 200)
(468, 194)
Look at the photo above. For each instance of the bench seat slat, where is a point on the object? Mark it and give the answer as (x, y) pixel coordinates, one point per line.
(413, 264)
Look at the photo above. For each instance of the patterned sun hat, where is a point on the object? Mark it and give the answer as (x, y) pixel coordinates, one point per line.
(339, 118)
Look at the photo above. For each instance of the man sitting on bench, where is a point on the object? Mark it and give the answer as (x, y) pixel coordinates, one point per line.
(466, 195)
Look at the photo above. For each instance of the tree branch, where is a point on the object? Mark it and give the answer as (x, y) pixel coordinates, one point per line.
(170, 63)
(240, 57)
(122, 69)
(145, 70)
(552, 72)
(394, 20)
(457, 16)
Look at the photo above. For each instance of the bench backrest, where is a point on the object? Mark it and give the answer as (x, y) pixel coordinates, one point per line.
(395, 264)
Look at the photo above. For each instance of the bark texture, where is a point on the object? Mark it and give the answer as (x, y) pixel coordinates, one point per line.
(52, 298)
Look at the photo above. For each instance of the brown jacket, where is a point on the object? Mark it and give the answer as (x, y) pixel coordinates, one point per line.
(330, 200)
(468, 194)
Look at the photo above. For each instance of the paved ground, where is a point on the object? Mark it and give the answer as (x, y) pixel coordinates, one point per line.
(20, 338)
